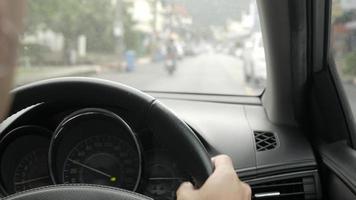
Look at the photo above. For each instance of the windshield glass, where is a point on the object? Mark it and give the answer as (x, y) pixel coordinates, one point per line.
(200, 46)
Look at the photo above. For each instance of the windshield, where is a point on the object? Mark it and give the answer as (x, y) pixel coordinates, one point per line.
(200, 46)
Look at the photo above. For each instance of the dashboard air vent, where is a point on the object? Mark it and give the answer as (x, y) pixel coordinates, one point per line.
(265, 140)
(302, 188)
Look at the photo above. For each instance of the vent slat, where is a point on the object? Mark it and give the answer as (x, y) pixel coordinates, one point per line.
(291, 189)
(265, 140)
(277, 185)
(292, 194)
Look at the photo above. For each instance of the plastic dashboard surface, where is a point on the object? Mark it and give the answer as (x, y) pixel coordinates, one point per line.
(229, 129)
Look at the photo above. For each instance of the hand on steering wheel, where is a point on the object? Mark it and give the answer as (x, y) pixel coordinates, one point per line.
(222, 184)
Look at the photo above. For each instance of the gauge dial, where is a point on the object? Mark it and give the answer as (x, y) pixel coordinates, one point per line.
(32, 171)
(162, 182)
(103, 160)
(162, 176)
(24, 159)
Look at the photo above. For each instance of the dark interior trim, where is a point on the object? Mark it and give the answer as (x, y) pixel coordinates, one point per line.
(284, 27)
(334, 157)
(317, 34)
(348, 116)
(282, 176)
(344, 104)
(332, 116)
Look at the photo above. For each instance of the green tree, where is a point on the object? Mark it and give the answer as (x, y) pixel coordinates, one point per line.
(72, 18)
(132, 38)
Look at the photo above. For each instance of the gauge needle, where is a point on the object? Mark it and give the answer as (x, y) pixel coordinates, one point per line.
(92, 169)
(32, 180)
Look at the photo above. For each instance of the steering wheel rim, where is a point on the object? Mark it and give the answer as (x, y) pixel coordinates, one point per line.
(164, 124)
(76, 192)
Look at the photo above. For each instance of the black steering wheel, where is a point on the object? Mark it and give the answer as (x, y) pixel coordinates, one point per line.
(183, 143)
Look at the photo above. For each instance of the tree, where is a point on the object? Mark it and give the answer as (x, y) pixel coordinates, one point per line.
(132, 38)
(72, 18)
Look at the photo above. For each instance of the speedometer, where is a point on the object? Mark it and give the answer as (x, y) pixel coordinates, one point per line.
(95, 146)
(102, 160)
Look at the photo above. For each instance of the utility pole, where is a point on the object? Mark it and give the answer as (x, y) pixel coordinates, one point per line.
(119, 29)
(155, 13)
(154, 28)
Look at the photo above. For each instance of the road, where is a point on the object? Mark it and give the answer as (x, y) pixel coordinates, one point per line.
(208, 73)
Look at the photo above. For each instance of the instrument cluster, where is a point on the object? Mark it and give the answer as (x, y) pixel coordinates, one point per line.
(91, 146)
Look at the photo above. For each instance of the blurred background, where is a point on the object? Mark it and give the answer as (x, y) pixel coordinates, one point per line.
(199, 46)
(343, 43)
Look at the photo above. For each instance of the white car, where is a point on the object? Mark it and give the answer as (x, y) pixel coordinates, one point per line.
(254, 61)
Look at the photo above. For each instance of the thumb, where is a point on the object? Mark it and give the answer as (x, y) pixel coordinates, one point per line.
(186, 191)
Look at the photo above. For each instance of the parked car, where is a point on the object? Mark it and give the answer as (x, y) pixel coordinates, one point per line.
(254, 61)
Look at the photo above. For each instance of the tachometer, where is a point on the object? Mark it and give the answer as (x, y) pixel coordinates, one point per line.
(102, 160)
(32, 171)
(24, 159)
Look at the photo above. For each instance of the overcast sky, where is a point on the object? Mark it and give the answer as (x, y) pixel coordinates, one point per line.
(215, 12)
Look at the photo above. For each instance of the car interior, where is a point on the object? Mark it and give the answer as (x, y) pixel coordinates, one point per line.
(296, 140)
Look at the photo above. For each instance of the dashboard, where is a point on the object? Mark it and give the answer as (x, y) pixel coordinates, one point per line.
(61, 144)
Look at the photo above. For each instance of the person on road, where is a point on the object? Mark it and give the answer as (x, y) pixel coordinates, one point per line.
(171, 56)
(223, 184)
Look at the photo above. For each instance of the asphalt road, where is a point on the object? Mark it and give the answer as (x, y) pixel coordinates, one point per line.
(208, 73)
